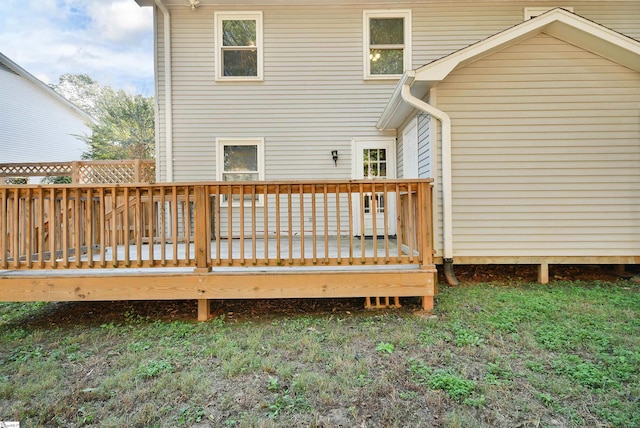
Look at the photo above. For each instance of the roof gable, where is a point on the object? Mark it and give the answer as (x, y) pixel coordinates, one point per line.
(558, 23)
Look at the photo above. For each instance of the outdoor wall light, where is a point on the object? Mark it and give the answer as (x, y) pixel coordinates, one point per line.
(194, 4)
(334, 155)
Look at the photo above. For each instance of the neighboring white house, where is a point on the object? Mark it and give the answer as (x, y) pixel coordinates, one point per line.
(36, 123)
(537, 102)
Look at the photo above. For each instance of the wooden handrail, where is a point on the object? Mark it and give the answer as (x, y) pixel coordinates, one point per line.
(221, 224)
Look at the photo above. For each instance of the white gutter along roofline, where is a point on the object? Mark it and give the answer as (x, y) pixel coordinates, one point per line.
(168, 101)
(447, 206)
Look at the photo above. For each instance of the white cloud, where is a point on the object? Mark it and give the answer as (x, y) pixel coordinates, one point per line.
(121, 20)
(110, 40)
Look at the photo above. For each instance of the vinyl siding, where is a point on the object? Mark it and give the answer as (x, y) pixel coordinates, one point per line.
(34, 125)
(546, 153)
(313, 98)
(424, 146)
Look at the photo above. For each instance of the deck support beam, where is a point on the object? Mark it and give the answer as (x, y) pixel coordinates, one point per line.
(107, 286)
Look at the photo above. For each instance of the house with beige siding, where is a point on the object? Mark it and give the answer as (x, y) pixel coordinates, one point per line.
(526, 114)
(36, 123)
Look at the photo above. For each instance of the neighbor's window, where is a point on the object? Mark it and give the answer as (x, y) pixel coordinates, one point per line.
(387, 43)
(239, 45)
(241, 160)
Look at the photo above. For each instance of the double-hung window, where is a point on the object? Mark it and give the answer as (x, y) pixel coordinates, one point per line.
(238, 45)
(387, 43)
(240, 160)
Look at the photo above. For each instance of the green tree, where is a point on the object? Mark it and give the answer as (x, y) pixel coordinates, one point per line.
(125, 127)
(81, 90)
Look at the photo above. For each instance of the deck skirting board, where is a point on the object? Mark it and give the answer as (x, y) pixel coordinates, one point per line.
(217, 285)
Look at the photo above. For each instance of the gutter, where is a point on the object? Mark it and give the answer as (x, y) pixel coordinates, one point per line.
(447, 205)
(168, 98)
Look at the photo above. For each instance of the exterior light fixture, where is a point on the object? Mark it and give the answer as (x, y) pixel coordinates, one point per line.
(334, 155)
(194, 4)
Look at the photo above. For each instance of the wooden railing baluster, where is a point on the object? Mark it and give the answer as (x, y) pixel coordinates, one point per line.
(58, 225)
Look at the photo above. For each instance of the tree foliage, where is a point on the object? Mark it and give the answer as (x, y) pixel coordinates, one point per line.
(125, 123)
(81, 90)
(125, 128)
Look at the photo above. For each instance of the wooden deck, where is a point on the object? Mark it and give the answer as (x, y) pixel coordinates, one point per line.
(197, 241)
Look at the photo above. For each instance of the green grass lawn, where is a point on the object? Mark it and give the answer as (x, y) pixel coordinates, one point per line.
(565, 354)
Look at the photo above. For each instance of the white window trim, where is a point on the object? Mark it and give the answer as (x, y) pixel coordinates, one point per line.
(223, 141)
(392, 13)
(223, 16)
(532, 12)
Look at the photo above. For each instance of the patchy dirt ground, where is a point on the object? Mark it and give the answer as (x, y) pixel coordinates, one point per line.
(66, 313)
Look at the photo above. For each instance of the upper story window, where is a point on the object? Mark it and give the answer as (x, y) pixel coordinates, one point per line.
(238, 45)
(532, 12)
(387, 43)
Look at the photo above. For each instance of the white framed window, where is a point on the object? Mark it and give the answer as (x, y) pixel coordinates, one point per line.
(238, 45)
(532, 12)
(240, 160)
(387, 43)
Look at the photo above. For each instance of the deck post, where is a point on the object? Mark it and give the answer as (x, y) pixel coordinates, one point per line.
(75, 172)
(425, 236)
(202, 244)
(201, 236)
(543, 273)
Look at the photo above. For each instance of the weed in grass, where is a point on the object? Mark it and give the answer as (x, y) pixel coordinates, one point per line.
(408, 395)
(475, 401)
(497, 373)
(545, 399)
(425, 338)
(465, 337)
(584, 372)
(457, 387)
(190, 415)
(153, 368)
(535, 366)
(453, 384)
(287, 403)
(26, 353)
(385, 348)
(139, 346)
(273, 384)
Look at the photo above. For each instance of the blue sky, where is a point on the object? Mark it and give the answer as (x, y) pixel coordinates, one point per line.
(110, 40)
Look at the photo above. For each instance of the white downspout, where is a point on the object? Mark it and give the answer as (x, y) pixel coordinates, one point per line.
(168, 99)
(447, 207)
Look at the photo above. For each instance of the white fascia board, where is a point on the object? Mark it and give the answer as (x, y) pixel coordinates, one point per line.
(395, 102)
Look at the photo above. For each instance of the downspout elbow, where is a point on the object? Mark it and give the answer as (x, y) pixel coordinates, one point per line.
(449, 274)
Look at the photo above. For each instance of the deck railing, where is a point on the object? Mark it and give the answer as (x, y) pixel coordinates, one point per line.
(213, 225)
